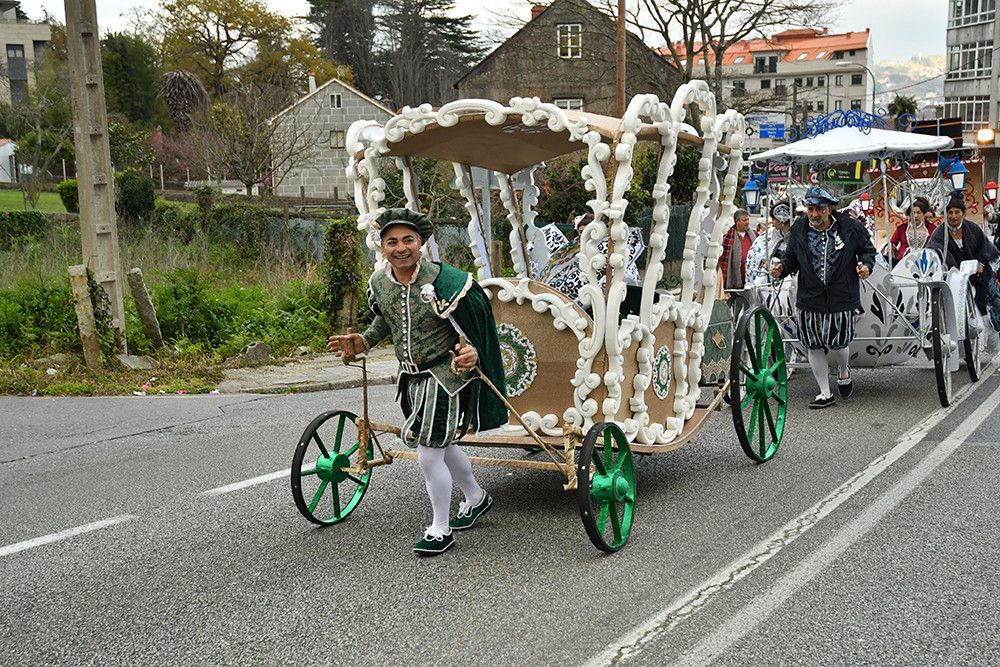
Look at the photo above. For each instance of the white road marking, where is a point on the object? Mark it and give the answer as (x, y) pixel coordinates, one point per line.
(657, 625)
(753, 614)
(236, 486)
(64, 534)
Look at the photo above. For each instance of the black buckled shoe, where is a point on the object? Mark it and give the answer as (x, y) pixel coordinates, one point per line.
(819, 403)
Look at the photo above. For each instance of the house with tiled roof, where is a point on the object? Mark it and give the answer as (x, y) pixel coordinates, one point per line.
(323, 116)
(779, 79)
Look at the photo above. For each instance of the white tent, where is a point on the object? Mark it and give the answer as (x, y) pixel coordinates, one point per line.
(847, 144)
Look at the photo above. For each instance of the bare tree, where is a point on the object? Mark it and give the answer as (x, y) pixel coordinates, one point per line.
(244, 137)
(708, 28)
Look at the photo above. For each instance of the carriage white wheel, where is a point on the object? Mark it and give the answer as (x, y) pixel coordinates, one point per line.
(941, 345)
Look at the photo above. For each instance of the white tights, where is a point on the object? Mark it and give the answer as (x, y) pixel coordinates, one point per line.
(819, 362)
(441, 465)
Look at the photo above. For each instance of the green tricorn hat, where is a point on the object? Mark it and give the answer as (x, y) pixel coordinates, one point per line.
(404, 216)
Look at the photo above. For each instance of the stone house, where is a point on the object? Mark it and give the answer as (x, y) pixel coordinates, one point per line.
(22, 45)
(566, 54)
(322, 118)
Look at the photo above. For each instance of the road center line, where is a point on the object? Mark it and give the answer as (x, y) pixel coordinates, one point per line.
(64, 534)
(236, 486)
(754, 613)
(657, 625)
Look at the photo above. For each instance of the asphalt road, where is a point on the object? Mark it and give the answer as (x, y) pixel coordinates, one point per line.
(866, 540)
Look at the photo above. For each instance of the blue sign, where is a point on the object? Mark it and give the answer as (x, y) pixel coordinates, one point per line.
(772, 130)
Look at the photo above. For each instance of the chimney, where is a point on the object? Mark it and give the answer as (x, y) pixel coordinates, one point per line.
(536, 11)
(312, 82)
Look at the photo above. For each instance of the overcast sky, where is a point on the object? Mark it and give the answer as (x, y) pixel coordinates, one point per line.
(900, 28)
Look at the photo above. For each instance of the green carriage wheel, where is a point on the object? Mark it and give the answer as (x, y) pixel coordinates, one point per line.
(323, 492)
(606, 500)
(758, 384)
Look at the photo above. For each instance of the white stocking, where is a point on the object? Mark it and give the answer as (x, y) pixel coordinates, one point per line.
(461, 471)
(438, 481)
(821, 371)
(842, 358)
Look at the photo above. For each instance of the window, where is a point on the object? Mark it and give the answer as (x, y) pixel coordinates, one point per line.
(18, 91)
(974, 110)
(821, 81)
(336, 101)
(820, 55)
(569, 103)
(857, 79)
(821, 107)
(798, 82)
(809, 106)
(855, 104)
(765, 84)
(838, 80)
(15, 50)
(738, 59)
(851, 52)
(809, 82)
(967, 12)
(739, 88)
(17, 66)
(780, 87)
(837, 55)
(336, 138)
(838, 105)
(970, 61)
(570, 39)
(765, 64)
(803, 55)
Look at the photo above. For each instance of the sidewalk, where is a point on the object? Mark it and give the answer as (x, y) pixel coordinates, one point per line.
(318, 372)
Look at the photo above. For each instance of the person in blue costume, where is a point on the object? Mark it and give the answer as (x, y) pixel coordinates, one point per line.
(441, 325)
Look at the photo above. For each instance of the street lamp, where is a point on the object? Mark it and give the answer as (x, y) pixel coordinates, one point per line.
(849, 63)
(956, 173)
(751, 193)
(866, 203)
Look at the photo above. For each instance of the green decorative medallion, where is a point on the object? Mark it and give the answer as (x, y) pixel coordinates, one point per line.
(520, 363)
(661, 372)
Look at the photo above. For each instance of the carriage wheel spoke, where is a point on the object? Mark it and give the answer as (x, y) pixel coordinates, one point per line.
(319, 494)
(305, 473)
(770, 422)
(761, 435)
(778, 398)
(602, 517)
(753, 420)
(355, 480)
(766, 354)
(616, 522)
(336, 501)
(319, 443)
(354, 448)
(340, 432)
(746, 402)
(751, 352)
(599, 464)
(746, 371)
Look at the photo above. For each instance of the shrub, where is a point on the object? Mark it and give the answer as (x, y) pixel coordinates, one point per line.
(17, 227)
(175, 219)
(342, 260)
(37, 317)
(186, 310)
(68, 193)
(135, 198)
(204, 197)
(241, 222)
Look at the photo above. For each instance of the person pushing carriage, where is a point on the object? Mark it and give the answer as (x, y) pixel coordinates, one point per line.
(831, 252)
(441, 324)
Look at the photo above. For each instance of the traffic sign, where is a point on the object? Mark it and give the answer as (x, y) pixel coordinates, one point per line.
(772, 130)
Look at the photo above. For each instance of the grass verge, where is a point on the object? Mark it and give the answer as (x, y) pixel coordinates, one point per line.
(49, 202)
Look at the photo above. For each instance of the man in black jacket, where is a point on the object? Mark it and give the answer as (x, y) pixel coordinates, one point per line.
(959, 240)
(831, 252)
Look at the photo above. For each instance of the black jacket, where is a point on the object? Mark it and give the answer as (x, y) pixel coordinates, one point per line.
(843, 291)
(975, 244)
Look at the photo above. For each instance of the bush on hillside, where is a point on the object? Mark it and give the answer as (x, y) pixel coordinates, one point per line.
(17, 227)
(175, 220)
(135, 197)
(343, 278)
(67, 190)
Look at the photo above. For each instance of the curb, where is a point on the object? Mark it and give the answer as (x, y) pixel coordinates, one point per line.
(307, 387)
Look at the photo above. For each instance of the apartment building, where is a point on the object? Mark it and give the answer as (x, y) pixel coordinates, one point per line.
(779, 80)
(22, 44)
(971, 85)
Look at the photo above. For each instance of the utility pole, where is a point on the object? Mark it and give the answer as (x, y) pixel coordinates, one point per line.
(94, 173)
(620, 61)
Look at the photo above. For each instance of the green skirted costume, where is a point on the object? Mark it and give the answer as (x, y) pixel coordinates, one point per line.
(425, 319)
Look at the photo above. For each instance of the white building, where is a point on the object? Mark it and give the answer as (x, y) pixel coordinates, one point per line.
(327, 112)
(972, 84)
(779, 80)
(22, 45)
(8, 173)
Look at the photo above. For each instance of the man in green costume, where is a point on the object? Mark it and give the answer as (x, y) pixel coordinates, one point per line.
(425, 307)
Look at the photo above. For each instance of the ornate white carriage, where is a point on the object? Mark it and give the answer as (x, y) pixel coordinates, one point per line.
(619, 370)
